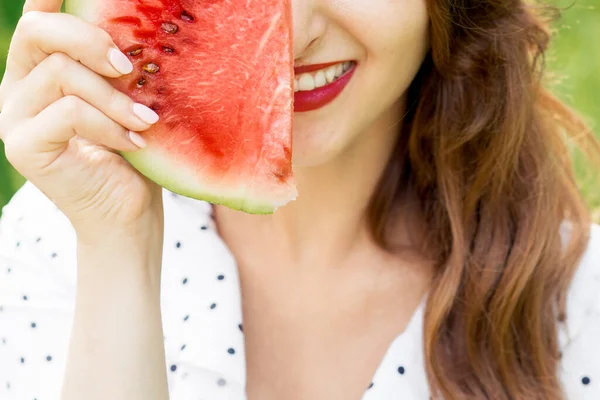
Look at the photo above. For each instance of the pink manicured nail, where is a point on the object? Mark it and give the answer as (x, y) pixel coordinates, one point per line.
(120, 61)
(145, 114)
(137, 140)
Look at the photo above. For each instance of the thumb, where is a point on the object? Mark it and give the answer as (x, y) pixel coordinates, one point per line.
(42, 5)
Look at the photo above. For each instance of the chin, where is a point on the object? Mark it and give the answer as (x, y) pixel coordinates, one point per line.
(316, 144)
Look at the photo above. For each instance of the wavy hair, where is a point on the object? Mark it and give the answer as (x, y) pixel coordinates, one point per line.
(484, 149)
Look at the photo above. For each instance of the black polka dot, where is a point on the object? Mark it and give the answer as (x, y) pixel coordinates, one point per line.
(221, 277)
(186, 317)
(183, 347)
(53, 255)
(184, 281)
(241, 327)
(231, 350)
(178, 245)
(48, 358)
(33, 325)
(370, 386)
(173, 368)
(38, 240)
(213, 306)
(221, 382)
(25, 298)
(22, 360)
(401, 370)
(203, 227)
(585, 380)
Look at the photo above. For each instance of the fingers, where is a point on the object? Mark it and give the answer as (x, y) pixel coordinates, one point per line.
(40, 34)
(58, 76)
(41, 140)
(42, 5)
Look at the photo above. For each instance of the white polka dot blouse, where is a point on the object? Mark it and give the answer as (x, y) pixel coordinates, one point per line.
(201, 308)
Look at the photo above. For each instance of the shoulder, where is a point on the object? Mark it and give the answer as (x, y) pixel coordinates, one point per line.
(580, 339)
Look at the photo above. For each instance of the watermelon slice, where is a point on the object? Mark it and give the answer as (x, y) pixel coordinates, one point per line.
(220, 75)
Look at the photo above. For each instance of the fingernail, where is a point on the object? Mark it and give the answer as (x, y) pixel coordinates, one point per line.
(145, 113)
(120, 61)
(137, 140)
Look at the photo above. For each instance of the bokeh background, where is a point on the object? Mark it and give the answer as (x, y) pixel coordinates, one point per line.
(574, 60)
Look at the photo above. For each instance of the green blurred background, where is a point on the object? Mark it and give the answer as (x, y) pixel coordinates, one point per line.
(574, 59)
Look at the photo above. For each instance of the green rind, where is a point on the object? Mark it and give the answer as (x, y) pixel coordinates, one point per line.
(163, 175)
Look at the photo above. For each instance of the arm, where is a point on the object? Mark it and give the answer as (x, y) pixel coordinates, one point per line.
(116, 349)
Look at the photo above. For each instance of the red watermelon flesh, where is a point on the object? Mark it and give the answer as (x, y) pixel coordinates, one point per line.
(220, 75)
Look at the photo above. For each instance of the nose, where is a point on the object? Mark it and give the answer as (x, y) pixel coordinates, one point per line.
(310, 25)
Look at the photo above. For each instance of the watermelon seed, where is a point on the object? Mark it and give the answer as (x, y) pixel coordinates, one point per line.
(169, 27)
(151, 68)
(141, 82)
(186, 16)
(167, 49)
(135, 52)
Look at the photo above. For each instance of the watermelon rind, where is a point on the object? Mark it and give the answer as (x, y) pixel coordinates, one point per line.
(165, 174)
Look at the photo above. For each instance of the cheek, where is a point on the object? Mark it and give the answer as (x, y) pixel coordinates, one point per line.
(395, 38)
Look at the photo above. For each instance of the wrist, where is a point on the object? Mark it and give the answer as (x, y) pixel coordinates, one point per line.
(121, 257)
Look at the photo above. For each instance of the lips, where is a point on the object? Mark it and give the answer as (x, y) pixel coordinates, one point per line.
(305, 101)
(314, 67)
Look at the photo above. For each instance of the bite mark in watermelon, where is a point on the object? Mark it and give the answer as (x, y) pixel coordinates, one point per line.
(220, 75)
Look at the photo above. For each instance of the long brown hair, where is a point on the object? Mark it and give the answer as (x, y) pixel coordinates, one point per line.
(484, 150)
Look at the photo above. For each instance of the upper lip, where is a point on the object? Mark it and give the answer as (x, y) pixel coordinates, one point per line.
(314, 67)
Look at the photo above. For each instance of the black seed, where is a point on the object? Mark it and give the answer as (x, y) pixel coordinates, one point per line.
(401, 370)
(186, 17)
(173, 367)
(183, 347)
(141, 82)
(22, 360)
(135, 52)
(48, 358)
(151, 68)
(221, 277)
(33, 324)
(213, 306)
(169, 27)
(185, 280)
(585, 380)
(231, 351)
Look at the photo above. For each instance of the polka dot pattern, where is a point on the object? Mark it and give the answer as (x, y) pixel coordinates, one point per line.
(201, 308)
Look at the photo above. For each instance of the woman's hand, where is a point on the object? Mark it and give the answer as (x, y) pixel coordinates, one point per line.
(61, 123)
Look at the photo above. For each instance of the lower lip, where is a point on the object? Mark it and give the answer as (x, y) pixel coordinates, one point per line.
(318, 98)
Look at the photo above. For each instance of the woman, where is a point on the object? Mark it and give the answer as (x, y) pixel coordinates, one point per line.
(439, 248)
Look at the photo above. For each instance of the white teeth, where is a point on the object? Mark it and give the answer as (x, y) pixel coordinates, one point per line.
(306, 82)
(311, 80)
(320, 79)
(330, 74)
